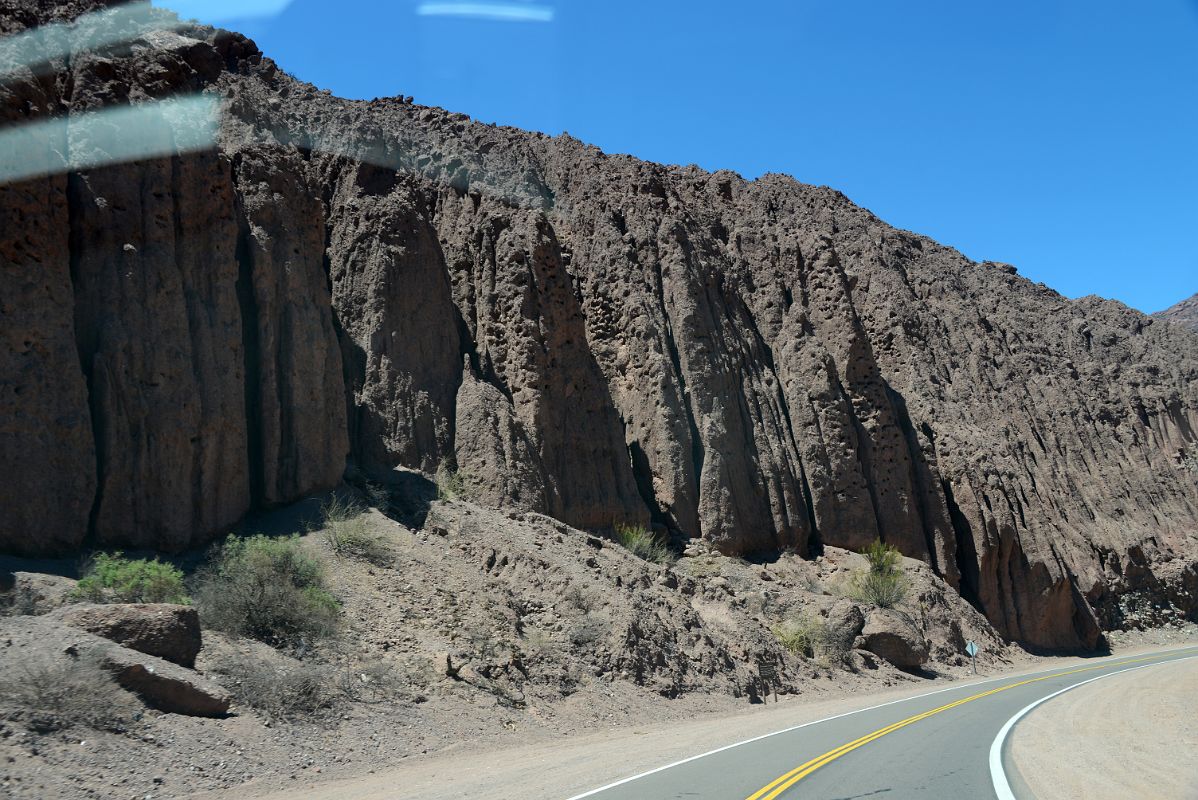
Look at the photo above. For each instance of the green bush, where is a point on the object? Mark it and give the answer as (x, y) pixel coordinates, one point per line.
(812, 637)
(347, 531)
(800, 635)
(115, 579)
(269, 590)
(644, 543)
(883, 584)
(452, 484)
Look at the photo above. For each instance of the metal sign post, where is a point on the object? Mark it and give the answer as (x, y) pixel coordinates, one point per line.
(971, 647)
(769, 677)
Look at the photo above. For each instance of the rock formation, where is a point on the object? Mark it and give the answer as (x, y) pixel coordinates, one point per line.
(759, 363)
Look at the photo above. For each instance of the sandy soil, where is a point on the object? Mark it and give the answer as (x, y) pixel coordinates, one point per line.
(554, 770)
(1131, 735)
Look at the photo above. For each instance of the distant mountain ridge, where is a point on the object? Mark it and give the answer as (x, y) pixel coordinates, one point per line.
(1185, 312)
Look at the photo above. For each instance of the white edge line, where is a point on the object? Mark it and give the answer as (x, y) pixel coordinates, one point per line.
(664, 767)
(998, 775)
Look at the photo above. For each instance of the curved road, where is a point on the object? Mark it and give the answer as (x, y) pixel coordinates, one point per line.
(946, 744)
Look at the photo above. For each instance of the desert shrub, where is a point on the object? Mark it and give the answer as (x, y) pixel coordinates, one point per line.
(483, 642)
(269, 590)
(380, 680)
(644, 543)
(883, 583)
(799, 635)
(278, 688)
(588, 630)
(53, 694)
(111, 578)
(378, 495)
(580, 599)
(537, 642)
(452, 484)
(348, 534)
(811, 636)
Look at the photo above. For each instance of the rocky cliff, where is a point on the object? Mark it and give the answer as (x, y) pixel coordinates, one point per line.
(759, 363)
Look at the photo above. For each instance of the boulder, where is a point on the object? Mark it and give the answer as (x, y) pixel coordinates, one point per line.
(891, 635)
(165, 630)
(845, 621)
(161, 684)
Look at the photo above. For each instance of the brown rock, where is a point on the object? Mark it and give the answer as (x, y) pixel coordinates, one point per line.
(294, 395)
(399, 327)
(166, 686)
(166, 630)
(45, 424)
(162, 684)
(495, 452)
(845, 621)
(891, 635)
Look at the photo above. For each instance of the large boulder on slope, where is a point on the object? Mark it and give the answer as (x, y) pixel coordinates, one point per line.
(161, 684)
(891, 635)
(165, 630)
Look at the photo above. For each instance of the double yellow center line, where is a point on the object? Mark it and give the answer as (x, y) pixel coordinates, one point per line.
(776, 787)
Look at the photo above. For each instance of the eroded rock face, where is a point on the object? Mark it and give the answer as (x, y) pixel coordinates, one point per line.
(761, 364)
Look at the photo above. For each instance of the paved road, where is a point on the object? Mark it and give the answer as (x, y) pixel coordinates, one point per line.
(932, 746)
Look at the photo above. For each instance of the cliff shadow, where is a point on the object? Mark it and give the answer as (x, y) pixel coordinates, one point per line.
(406, 495)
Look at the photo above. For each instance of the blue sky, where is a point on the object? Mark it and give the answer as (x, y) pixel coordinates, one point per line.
(1059, 136)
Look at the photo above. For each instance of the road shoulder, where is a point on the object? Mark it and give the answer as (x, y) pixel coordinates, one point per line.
(1127, 735)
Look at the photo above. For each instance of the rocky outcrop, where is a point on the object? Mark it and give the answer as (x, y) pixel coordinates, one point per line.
(1185, 312)
(165, 630)
(758, 363)
(46, 435)
(892, 636)
(161, 684)
(166, 686)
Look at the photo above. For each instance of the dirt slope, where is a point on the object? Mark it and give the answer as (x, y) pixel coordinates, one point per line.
(760, 364)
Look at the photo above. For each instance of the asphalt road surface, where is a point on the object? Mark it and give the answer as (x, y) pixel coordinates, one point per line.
(945, 745)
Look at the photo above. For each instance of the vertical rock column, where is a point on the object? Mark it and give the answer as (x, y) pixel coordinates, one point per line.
(294, 391)
(47, 456)
(156, 322)
(399, 327)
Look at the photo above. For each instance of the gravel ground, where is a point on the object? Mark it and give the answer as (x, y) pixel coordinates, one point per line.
(1131, 735)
